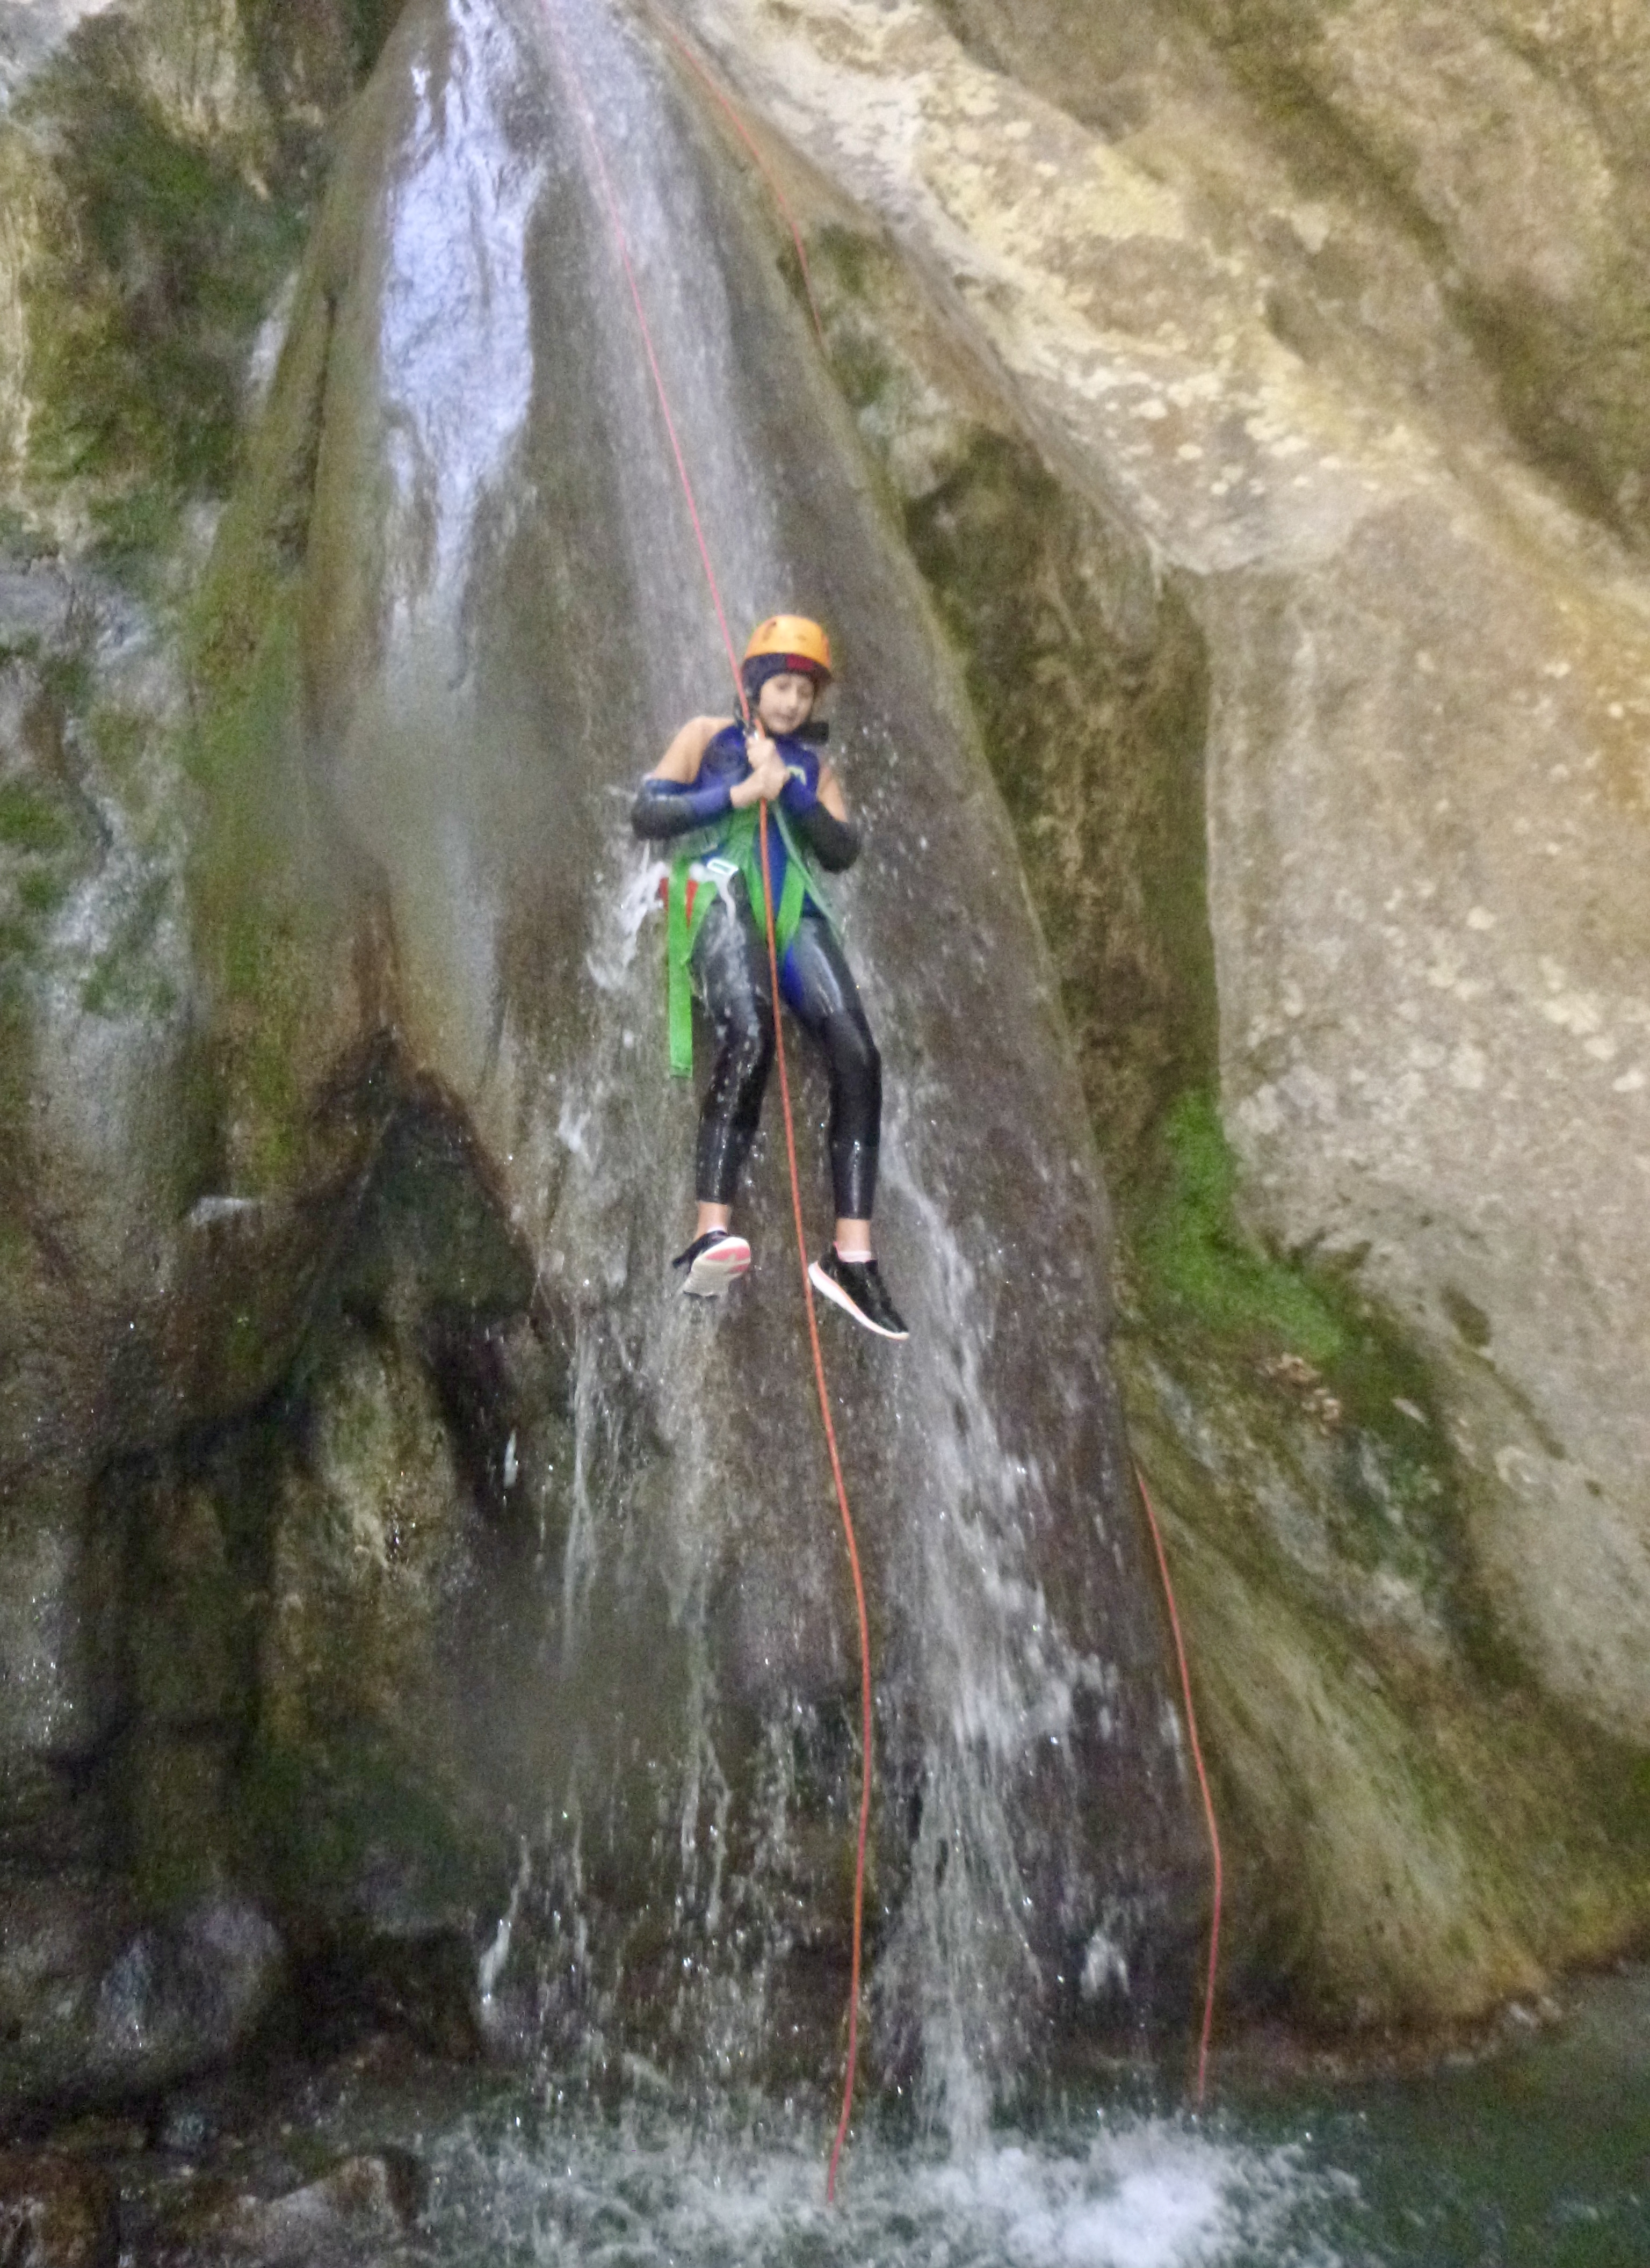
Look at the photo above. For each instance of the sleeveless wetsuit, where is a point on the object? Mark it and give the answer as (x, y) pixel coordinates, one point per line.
(729, 968)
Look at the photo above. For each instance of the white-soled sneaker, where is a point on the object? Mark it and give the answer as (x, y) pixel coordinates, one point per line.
(713, 1262)
(855, 1286)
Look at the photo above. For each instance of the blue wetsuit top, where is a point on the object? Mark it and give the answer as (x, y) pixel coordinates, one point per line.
(666, 807)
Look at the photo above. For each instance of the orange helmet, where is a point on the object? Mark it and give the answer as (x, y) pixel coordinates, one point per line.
(787, 642)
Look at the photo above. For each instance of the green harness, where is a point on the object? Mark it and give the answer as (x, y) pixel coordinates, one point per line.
(738, 850)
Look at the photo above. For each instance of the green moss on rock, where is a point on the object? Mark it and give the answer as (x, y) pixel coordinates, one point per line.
(1195, 1257)
(1089, 685)
(143, 298)
(33, 820)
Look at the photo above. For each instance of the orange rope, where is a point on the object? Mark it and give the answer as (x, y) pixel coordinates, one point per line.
(625, 261)
(785, 1091)
(1203, 1782)
(763, 167)
(847, 1526)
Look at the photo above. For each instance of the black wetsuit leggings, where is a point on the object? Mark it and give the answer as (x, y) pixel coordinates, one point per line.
(730, 972)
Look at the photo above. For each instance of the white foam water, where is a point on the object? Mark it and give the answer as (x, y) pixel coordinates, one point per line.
(1138, 2194)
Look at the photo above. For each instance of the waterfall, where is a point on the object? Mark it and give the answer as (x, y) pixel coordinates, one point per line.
(511, 621)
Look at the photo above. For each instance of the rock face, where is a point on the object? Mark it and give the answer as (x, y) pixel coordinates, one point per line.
(441, 1539)
(55, 2213)
(475, 713)
(155, 1770)
(1325, 384)
(1254, 396)
(100, 2001)
(362, 2209)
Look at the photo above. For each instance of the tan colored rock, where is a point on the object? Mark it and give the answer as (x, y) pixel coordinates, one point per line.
(1510, 137)
(1428, 686)
(361, 2209)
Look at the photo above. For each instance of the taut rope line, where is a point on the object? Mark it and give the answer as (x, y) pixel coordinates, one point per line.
(1203, 1782)
(763, 167)
(848, 1531)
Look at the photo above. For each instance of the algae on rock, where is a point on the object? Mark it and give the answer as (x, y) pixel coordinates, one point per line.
(159, 163)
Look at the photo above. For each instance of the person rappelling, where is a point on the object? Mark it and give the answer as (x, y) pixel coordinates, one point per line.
(703, 796)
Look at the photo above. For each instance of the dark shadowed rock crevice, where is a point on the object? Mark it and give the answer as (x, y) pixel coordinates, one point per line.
(296, 1797)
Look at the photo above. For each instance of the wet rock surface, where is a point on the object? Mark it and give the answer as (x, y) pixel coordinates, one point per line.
(149, 1310)
(362, 2209)
(96, 2005)
(1255, 394)
(506, 880)
(301, 2152)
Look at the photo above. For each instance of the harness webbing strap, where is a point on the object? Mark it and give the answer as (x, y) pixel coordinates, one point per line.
(686, 907)
(688, 901)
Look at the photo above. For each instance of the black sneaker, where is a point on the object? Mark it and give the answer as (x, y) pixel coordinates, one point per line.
(857, 1289)
(713, 1262)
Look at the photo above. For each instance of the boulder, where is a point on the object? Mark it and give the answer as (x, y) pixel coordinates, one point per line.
(99, 2005)
(363, 2208)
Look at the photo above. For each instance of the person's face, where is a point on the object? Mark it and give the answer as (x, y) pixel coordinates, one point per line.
(785, 701)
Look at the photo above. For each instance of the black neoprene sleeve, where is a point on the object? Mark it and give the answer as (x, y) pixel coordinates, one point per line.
(833, 842)
(666, 807)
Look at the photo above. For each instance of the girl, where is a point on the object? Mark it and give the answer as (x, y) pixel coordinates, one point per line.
(703, 796)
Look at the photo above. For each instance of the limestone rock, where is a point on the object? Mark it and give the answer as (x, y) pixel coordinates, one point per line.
(157, 160)
(359, 2210)
(1298, 337)
(469, 711)
(369, 1550)
(1259, 389)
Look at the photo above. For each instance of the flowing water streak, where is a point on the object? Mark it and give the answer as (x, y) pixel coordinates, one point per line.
(453, 309)
(670, 234)
(628, 1117)
(1001, 1675)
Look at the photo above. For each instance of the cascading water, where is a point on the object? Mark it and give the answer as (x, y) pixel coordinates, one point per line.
(452, 1577)
(508, 620)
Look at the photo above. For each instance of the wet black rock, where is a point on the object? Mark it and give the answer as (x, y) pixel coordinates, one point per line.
(355, 2212)
(422, 1988)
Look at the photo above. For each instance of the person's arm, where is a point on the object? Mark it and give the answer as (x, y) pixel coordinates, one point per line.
(822, 821)
(681, 760)
(671, 801)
